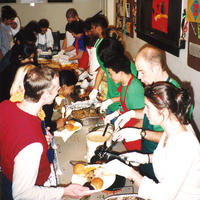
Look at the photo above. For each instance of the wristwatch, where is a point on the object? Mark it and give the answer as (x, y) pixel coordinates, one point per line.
(143, 133)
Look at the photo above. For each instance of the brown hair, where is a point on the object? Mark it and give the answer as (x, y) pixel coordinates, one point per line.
(165, 95)
(153, 55)
(71, 13)
(38, 80)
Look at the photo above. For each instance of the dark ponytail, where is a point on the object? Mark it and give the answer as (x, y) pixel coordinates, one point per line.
(166, 95)
(183, 100)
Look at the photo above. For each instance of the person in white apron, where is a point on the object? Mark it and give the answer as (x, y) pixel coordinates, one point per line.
(45, 38)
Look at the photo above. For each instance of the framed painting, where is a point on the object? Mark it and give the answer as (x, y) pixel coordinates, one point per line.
(7, 1)
(125, 16)
(159, 23)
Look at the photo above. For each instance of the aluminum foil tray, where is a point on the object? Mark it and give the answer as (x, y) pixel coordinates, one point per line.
(82, 104)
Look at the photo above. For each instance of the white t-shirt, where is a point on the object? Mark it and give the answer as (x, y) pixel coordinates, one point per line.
(25, 174)
(46, 38)
(177, 167)
(70, 38)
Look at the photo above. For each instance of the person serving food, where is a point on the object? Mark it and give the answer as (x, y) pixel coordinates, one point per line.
(176, 160)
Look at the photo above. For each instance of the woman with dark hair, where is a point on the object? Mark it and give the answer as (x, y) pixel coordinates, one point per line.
(32, 26)
(176, 160)
(76, 28)
(44, 38)
(23, 52)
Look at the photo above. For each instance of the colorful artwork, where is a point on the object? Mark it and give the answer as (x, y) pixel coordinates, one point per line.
(124, 16)
(160, 15)
(193, 11)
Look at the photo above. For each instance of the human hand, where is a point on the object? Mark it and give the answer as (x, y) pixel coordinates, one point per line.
(84, 84)
(48, 135)
(59, 100)
(76, 191)
(110, 117)
(105, 105)
(61, 52)
(118, 167)
(123, 119)
(93, 94)
(61, 122)
(83, 76)
(68, 112)
(134, 158)
(129, 134)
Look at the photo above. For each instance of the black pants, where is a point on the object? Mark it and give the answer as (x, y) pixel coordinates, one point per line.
(6, 188)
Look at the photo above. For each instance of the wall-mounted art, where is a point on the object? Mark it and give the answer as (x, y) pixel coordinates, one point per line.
(125, 16)
(159, 23)
(7, 1)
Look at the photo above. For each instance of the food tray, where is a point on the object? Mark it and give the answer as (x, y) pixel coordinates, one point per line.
(80, 105)
(90, 121)
(123, 197)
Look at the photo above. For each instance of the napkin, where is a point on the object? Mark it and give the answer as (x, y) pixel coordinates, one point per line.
(65, 134)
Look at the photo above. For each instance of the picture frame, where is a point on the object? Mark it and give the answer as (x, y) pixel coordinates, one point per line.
(125, 17)
(7, 1)
(166, 34)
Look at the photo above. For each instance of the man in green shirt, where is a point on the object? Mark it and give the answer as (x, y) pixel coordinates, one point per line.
(99, 25)
(151, 66)
(130, 88)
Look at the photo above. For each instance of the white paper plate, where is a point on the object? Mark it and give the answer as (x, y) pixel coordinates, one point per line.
(107, 180)
(65, 134)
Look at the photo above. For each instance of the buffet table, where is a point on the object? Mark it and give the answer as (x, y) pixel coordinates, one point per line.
(75, 149)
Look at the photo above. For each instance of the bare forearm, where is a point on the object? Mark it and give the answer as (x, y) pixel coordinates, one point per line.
(78, 56)
(70, 48)
(64, 45)
(115, 99)
(153, 136)
(99, 78)
(139, 114)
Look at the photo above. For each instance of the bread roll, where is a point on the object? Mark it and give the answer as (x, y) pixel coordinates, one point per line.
(79, 169)
(71, 122)
(97, 183)
(69, 127)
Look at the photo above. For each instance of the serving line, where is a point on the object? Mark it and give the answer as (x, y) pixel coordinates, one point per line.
(75, 148)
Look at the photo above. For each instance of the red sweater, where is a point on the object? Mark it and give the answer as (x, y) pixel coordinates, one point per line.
(17, 130)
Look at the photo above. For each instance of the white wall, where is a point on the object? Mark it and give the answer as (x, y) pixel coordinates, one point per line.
(55, 12)
(177, 65)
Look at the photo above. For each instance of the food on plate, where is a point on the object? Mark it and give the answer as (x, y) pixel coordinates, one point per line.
(79, 169)
(71, 122)
(69, 127)
(90, 175)
(97, 183)
(75, 128)
(127, 197)
(83, 113)
(82, 169)
(88, 184)
(94, 184)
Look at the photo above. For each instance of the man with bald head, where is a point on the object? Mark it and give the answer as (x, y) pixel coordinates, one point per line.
(151, 65)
